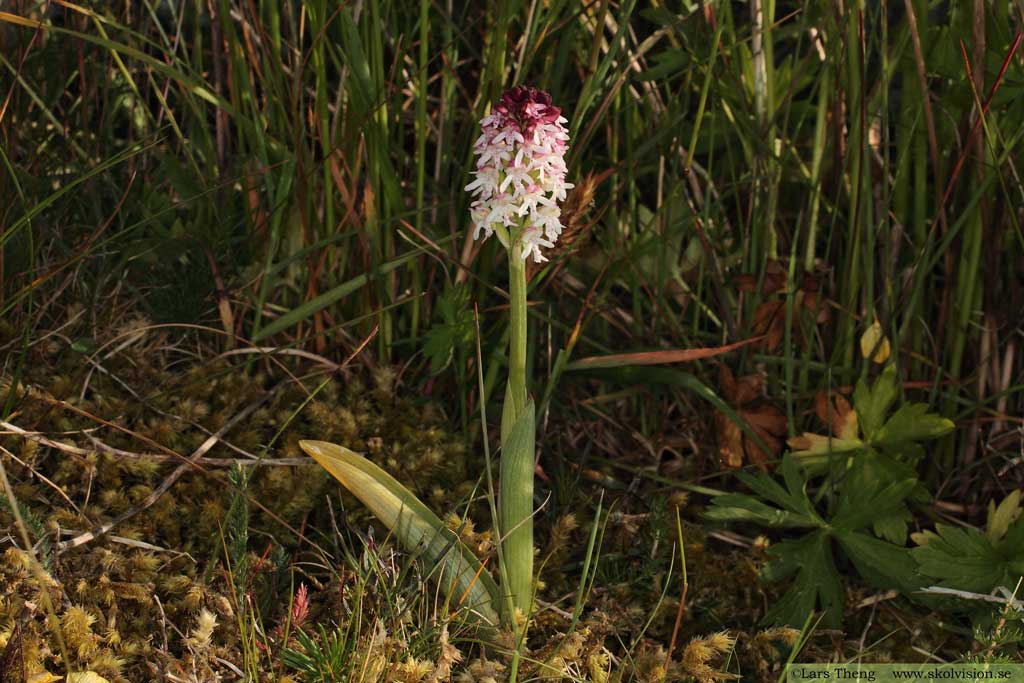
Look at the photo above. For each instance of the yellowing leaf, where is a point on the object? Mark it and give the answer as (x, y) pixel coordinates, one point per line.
(43, 677)
(417, 528)
(1000, 518)
(818, 444)
(874, 344)
(85, 677)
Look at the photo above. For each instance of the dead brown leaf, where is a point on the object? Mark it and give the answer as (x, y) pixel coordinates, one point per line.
(769, 321)
(746, 395)
(836, 413)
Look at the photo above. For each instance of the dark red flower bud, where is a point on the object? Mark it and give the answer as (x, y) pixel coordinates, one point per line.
(528, 106)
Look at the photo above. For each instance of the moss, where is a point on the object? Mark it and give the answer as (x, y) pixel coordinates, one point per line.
(166, 577)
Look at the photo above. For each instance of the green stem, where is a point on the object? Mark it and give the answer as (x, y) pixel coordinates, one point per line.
(515, 499)
(517, 336)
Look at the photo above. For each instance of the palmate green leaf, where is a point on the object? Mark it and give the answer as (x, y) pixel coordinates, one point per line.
(417, 528)
(965, 559)
(893, 526)
(1002, 516)
(971, 560)
(768, 488)
(736, 507)
(861, 506)
(872, 403)
(797, 509)
(817, 581)
(454, 330)
(912, 422)
(883, 564)
(792, 498)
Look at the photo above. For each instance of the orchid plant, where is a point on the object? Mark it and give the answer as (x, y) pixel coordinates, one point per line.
(518, 184)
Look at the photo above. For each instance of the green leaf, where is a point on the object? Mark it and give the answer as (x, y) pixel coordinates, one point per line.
(515, 507)
(1000, 518)
(767, 487)
(913, 422)
(858, 511)
(329, 297)
(795, 482)
(736, 507)
(817, 581)
(1015, 534)
(964, 559)
(883, 564)
(417, 528)
(871, 491)
(454, 330)
(893, 526)
(873, 403)
(881, 467)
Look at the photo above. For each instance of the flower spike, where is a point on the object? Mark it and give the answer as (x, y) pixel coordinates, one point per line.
(520, 172)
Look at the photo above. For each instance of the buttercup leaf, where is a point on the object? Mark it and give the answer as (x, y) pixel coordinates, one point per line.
(913, 422)
(883, 564)
(817, 580)
(872, 403)
(963, 559)
(1000, 518)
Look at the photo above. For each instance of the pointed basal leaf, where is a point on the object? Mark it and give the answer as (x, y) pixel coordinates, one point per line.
(417, 528)
(515, 507)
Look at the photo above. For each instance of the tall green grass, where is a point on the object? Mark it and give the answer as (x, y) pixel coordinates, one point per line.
(311, 156)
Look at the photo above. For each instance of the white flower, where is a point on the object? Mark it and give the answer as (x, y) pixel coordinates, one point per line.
(520, 172)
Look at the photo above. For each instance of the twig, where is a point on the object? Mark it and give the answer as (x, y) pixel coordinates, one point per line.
(39, 438)
(283, 351)
(1005, 599)
(134, 543)
(250, 461)
(46, 481)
